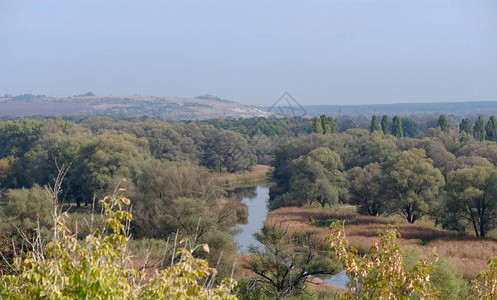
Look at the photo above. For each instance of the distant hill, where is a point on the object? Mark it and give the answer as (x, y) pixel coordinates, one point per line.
(450, 108)
(166, 108)
(210, 107)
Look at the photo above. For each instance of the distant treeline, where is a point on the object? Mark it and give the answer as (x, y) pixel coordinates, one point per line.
(458, 109)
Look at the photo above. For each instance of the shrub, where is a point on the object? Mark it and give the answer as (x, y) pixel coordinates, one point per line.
(99, 267)
(382, 273)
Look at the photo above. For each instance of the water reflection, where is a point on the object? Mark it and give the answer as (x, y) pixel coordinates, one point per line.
(256, 199)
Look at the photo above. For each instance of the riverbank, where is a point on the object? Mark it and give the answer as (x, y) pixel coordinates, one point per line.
(259, 174)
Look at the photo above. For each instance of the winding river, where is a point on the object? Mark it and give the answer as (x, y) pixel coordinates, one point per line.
(256, 199)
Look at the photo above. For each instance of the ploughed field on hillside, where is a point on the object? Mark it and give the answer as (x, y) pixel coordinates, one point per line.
(166, 108)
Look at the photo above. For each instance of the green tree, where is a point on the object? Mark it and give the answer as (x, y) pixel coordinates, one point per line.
(287, 262)
(17, 137)
(327, 129)
(28, 209)
(365, 189)
(316, 177)
(411, 183)
(104, 160)
(471, 199)
(491, 129)
(479, 129)
(443, 123)
(201, 224)
(375, 126)
(409, 127)
(332, 123)
(397, 127)
(385, 124)
(229, 150)
(358, 147)
(317, 125)
(262, 148)
(465, 126)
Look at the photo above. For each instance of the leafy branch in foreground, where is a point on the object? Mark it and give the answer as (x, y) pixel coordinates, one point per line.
(381, 274)
(100, 267)
(485, 285)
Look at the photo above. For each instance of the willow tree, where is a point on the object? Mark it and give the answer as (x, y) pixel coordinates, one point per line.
(471, 199)
(411, 184)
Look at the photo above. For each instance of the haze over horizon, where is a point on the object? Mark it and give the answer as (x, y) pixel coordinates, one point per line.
(322, 52)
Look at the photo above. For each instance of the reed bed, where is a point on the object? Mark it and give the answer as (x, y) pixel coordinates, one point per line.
(466, 252)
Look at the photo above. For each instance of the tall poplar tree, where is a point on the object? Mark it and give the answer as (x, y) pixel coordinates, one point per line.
(491, 129)
(385, 124)
(443, 123)
(479, 129)
(465, 126)
(397, 127)
(375, 126)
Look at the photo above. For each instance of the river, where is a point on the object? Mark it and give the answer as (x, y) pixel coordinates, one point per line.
(256, 199)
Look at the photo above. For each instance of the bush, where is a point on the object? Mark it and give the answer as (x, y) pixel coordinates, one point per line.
(382, 273)
(446, 278)
(99, 267)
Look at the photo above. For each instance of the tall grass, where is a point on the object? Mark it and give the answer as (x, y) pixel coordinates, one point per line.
(468, 253)
(259, 174)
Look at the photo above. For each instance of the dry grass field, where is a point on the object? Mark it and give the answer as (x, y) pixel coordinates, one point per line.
(468, 253)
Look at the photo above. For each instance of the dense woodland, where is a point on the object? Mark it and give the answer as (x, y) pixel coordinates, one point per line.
(437, 168)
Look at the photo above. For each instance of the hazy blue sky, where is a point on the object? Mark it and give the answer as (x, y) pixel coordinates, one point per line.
(322, 52)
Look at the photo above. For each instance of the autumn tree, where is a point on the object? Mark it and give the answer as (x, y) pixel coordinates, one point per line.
(329, 124)
(324, 125)
(317, 125)
(382, 274)
(411, 183)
